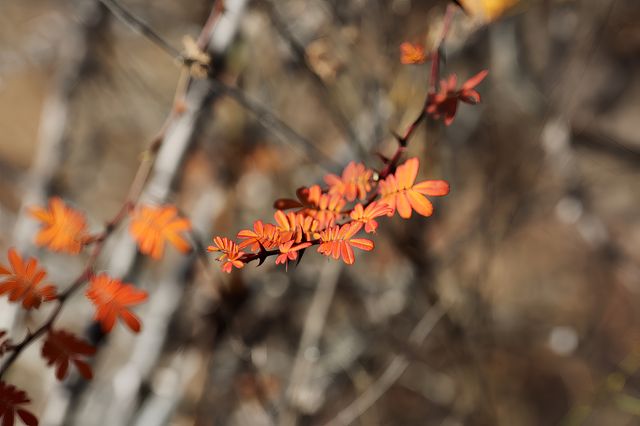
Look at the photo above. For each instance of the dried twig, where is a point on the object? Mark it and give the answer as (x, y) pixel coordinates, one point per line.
(392, 373)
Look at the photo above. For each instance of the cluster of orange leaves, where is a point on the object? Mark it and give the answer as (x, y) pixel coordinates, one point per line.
(330, 217)
(64, 229)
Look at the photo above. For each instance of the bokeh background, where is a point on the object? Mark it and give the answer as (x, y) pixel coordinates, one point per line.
(515, 304)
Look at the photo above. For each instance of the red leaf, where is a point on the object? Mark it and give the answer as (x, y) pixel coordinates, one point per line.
(11, 401)
(62, 348)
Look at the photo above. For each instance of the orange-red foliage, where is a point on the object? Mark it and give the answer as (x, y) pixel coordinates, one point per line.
(62, 348)
(354, 183)
(63, 228)
(321, 218)
(23, 281)
(11, 399)
(444, 103)
(112, 299)
(230, 253)
(152, 226)
(401, 193)
(412, 53)
(367, 215)
(337, 242)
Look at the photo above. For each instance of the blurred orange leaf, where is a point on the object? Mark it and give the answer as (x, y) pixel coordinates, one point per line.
(112, 299)
(152, 226)
(367, 215)
(355, 182)
(64, 228)
(412, 53)
(62, 348)
(488, 10)
(11, 399)
(23, 282)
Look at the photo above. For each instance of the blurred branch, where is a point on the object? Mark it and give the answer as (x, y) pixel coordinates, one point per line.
(264, 116)
(327, 97)
(396, 367)
(272, 122)
(589, 136)
(139, 26)
(314, 323)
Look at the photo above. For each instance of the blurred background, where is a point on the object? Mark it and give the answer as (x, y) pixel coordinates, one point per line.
(515, 304)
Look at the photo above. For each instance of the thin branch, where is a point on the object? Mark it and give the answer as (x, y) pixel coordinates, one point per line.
(392, 373)
(303, 365)
(140, 26)
(300, 53)
(264, 116)
(271, 121)
(403, 140)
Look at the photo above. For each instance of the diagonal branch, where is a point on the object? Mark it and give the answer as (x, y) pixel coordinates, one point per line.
(398, 365)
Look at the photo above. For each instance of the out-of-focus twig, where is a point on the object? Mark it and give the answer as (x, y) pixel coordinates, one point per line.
(269, 120)
(138, 25)
(327, 96)
(315, 320)
(391, 374)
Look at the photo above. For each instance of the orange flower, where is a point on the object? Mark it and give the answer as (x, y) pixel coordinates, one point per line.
(354, 183)
(112, 299)
(337, 241)
(62, 348)
(445, 102)
(412, 54)
(367, 215)
(151, 226)
(230, 253)
(64, 229)
(11, 399)
(23, 281)
(400, 192)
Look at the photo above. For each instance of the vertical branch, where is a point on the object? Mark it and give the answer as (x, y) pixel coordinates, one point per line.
(315, 320)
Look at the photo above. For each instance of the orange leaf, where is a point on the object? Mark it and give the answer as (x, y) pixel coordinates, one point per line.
(112, 299)
(63, 230)
(152, 226)
(488, 10)
(367, 215)
(336, 242)
(354, 183)
(412, 54)
(24, 282)
(62, 348)
(11, 400)
(402, 194)
(230, 254)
